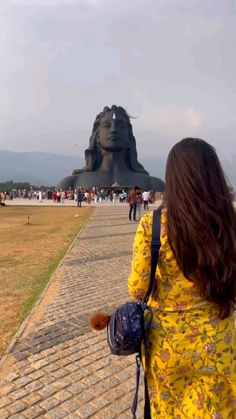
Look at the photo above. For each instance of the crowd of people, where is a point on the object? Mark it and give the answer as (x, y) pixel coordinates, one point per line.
(82, 195)
(102, 195)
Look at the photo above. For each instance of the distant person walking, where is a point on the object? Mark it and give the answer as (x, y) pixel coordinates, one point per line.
(132, 203)
(40, 195)
(89, 198)
(114, 197)
(145, 200)
(54, 196)
(62, 197)
(79, 198)
(152, 197)
(58, 197)
(100, 197)
(139, 202)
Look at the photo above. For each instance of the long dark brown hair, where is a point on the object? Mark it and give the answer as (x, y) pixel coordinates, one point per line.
(202, 221)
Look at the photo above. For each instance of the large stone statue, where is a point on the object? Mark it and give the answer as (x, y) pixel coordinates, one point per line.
(111, 158)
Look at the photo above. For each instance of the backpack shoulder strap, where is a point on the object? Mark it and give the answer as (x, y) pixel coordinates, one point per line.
(155, 247)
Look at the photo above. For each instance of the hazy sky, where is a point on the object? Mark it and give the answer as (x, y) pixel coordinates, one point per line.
(170, 63)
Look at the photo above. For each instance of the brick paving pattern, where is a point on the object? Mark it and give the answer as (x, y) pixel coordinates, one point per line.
(59, 367)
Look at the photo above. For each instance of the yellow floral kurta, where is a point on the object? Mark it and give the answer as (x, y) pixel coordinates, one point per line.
(190, 356)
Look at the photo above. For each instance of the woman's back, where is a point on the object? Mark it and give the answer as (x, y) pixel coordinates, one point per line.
(190, 358)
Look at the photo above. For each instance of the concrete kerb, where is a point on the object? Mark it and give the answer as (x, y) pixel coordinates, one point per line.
(26, 321)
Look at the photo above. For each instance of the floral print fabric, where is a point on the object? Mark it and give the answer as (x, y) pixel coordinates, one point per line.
(190, 356)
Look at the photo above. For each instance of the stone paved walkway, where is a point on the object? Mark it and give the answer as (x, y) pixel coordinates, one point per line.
(59, 367)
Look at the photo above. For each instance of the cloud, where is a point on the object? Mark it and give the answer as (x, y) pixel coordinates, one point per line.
(56, 3)
(170, 119)
(171, 63)
(40, 2)
(194, 117)
(96, 3)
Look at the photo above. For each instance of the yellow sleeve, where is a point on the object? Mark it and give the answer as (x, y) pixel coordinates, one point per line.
(139, 279)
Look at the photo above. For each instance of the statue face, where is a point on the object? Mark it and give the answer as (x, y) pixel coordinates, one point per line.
(113, 132)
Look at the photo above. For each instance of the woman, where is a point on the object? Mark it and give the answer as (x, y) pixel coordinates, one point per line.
(139, 202)
(190, 356)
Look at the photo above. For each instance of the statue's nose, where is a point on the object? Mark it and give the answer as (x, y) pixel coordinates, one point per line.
(113, 127)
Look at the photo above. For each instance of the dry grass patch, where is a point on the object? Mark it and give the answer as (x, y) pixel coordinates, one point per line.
(31, 249)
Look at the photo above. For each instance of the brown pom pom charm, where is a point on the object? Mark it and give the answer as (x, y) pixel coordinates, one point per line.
(99, 321)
